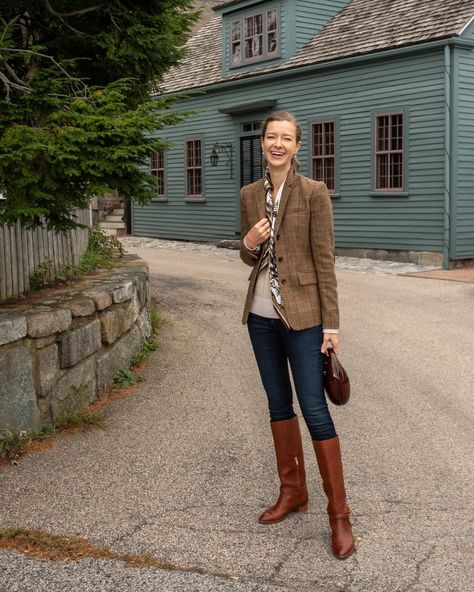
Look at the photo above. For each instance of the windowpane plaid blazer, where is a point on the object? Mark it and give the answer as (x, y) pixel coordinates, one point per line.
(304, 247)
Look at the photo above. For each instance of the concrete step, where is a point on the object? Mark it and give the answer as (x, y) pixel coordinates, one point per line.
(115, 231)
(118, 212)
(111, 218)
(116, 225)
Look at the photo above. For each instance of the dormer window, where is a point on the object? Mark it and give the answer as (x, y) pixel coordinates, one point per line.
(254, 37)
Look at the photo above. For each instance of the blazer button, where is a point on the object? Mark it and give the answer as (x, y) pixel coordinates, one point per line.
(280, 258)
(278, 237)
(283, 282)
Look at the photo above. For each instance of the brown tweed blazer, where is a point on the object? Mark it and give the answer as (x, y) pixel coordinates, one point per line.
(304, 243)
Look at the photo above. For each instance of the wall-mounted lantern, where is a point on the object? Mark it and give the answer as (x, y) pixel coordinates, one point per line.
(228, 150)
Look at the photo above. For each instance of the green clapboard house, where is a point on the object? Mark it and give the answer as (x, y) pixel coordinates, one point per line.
(384, 90)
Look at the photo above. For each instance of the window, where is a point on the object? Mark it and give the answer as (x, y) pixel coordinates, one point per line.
(254, 37)
(389, 152)
(252, 126)
(324, 153)
(157, 169)
(193, 168)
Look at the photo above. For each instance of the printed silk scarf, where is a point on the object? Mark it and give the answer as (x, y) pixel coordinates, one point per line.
(272, 213)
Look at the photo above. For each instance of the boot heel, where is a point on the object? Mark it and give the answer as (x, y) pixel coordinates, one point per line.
(303, 509)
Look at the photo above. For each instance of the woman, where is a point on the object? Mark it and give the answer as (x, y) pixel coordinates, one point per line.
(292, 315)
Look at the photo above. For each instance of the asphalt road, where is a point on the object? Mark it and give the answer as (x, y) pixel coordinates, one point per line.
(185, 465)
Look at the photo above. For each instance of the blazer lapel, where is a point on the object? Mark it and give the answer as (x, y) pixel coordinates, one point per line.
(290, 179)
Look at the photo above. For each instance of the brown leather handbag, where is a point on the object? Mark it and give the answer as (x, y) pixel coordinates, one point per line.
(336, 381)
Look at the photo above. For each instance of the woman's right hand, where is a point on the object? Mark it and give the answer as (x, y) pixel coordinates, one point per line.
(258, 234)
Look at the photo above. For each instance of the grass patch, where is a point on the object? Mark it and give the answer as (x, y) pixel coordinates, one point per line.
(102, 251)
(65, 549)
(79, 419)
(124, 378)
(157, 321)
(142, 356)
(15, 443)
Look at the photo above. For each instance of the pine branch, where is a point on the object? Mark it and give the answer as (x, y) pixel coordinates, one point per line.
(54, 12)
(9, 85)
(79, 85)
(62, 16)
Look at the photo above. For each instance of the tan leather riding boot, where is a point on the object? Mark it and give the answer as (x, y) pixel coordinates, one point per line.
(328, 454)
(289, 456)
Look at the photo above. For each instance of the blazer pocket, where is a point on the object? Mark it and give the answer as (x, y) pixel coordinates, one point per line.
(307, 277)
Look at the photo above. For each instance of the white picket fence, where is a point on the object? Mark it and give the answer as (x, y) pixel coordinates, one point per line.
(21, 251)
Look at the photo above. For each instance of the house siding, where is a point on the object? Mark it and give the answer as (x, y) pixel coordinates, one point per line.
(414, 83)
(462, 213)
(311, 16)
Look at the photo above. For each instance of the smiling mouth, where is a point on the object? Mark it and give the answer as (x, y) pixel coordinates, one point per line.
(277, 154)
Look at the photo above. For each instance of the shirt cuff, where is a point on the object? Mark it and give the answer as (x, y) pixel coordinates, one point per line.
(254, 250)
(332, 331)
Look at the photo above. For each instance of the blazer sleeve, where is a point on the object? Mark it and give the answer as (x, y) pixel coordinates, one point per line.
(247, 256)
(322, 248)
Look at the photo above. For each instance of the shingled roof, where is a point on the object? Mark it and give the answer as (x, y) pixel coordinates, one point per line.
(362, 27)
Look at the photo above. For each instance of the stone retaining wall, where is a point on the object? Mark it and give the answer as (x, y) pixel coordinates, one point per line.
(60, 348)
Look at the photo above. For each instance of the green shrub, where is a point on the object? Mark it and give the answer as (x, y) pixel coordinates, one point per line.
(13, 443)
(102, 251)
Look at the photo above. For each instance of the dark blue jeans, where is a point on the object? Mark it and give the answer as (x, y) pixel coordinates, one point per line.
(274, 346)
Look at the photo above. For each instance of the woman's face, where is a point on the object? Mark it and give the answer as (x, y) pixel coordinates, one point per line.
(279, 145)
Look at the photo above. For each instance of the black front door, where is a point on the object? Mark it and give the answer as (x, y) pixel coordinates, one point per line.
(250, 160)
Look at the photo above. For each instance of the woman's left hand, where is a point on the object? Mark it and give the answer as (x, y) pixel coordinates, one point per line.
(330, 339)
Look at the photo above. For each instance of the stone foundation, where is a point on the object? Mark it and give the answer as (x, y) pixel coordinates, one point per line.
(62, 346)
(418, 257)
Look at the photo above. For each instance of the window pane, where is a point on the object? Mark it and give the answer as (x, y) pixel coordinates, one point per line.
(271, 43)
(249, 26)
(396, 171)
(329, 139)
(160, 157)
(197, 149)
(235, 31)
(397, 132)
(382, 171)
(258, 24)
(197, 182)
(271, 20)
(257, 46)
(382, 133)
(189, 154)
(236, 53)
(248, 48)
(160, 177)
(317, 139)
(318, 168)
(328, 173)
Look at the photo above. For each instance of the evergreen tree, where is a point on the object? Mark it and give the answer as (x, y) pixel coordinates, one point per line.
(76, 117)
